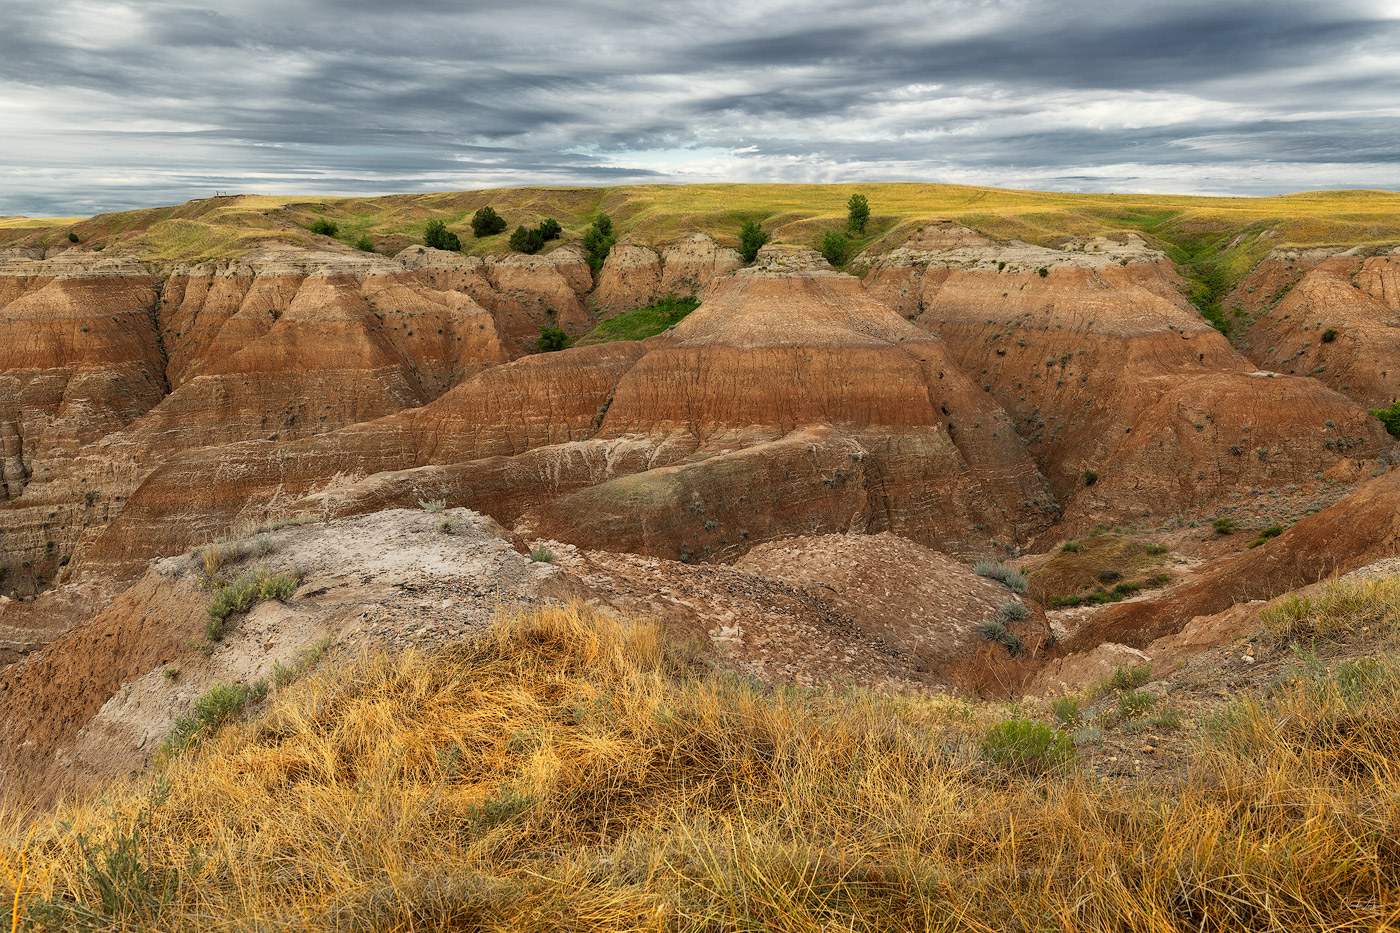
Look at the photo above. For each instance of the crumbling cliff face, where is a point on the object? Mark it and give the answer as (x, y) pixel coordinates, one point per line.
(1129, 402)
(1338, 323)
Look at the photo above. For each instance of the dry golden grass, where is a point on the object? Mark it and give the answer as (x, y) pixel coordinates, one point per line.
(217, 228)
(579, 772)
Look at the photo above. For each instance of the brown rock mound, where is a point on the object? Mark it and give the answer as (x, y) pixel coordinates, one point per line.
(1130, 403)
(1339, 324)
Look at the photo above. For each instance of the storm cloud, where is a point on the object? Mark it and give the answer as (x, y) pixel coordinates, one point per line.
(109, 104)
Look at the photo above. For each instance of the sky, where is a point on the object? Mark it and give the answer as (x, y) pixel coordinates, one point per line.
(109, 105)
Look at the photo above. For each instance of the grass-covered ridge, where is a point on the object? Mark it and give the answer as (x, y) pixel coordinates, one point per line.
(575, 771)
(1246, 228)
(641, 323)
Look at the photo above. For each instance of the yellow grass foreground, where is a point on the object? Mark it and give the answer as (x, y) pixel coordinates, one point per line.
(579, 772)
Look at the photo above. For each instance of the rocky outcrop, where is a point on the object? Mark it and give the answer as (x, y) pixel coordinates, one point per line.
(1339, 324)
(1130, 403)
(789, 403)
(634, 276)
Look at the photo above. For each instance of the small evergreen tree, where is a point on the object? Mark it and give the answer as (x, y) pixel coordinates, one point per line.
(751, 240)
(525, 240)
(365, 243)
(549, 229)
(437, 236)
(598, 241)
(857, 214)
(1390, 417)
(486, 222)
(324, 227)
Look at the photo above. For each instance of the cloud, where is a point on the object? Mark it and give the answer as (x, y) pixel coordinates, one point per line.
(116, 104)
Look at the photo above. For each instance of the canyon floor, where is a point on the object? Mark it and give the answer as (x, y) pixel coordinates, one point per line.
(1043, 554)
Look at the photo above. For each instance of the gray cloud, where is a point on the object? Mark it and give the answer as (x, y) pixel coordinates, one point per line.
(109, 104)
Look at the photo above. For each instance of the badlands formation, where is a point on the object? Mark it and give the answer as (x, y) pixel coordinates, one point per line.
(801, 474)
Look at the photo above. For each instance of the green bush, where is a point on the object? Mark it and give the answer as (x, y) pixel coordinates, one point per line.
(432, 505)
(1329, 335)
(1090, 477)
(857, 214)
(1224, 526)
(1028, 747)
(1390, 417)
(525, 240)
(835, 246)
(1043, 272)
(598, 241)
(364, 243)
(751, 240)
(324, 227)
(531, 241)
(242, 594)
(541, 554)
(1072, 547)
(437, 236)
(72, 237)
(223, 703)
(486, 222)
(552, 337)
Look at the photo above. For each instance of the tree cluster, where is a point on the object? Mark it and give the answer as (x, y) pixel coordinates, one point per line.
(598, 241)
(526, 240)
(486, 222)
(437, 236)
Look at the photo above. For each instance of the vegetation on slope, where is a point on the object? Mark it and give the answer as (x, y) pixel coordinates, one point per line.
(574, 771)
(1247, 228)
(641, 323)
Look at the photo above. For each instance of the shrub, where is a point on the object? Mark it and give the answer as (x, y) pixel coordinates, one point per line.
(525, 240)
(1133, 703)
(432, 505)
(598, 241)
(1224, 526)
(241, 595)
(447, 526)
(1028, 747)
(857, 214)
(1072, 547)
(263, 544)
(437, 236)
(72, 237)
(993, 630)
(1090, 477)
(1329, 335)
(541, 554)
(1390, 417)
(223, 703)
(364, 243)
(552, 337)
(1013, 610)
(324, 227)
(486, 222)
(751, 240)
(1066, 709)
(834, 247)
(1042, 272)
(1009, 576)
(1157, 549)
(1130, 678)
